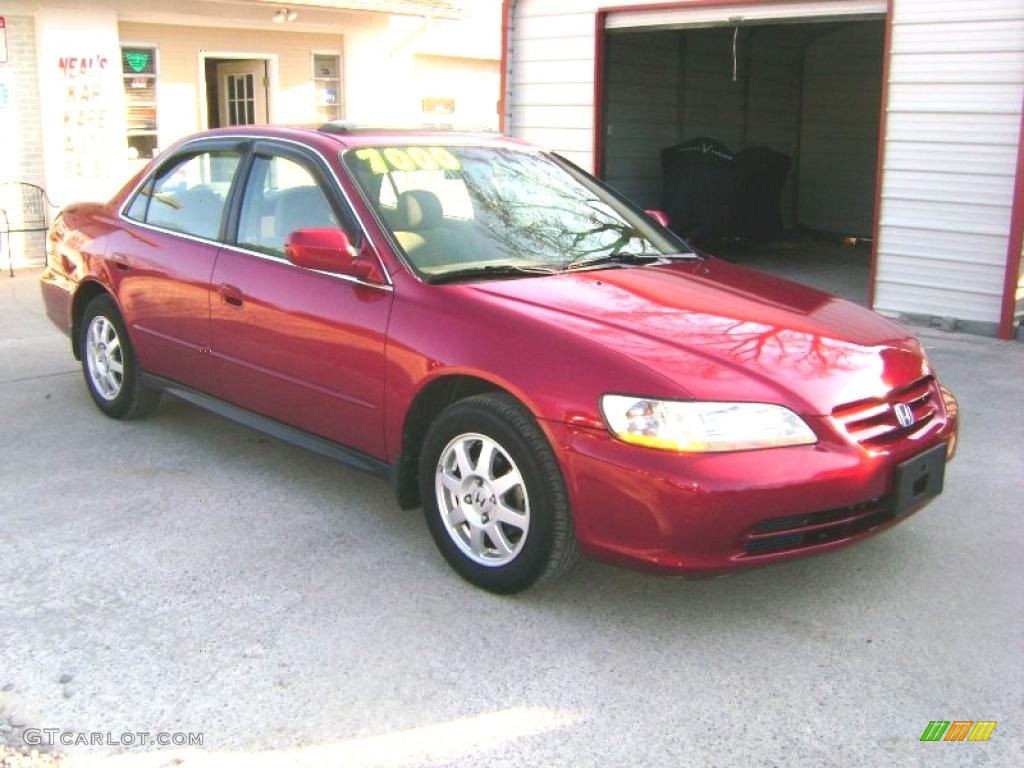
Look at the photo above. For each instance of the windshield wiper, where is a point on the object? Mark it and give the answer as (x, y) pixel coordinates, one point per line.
(488, 271)
(625, 258)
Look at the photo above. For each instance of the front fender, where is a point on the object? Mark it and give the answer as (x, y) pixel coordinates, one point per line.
(557, 373)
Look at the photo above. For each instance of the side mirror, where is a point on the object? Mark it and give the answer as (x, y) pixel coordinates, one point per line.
(659, 216)
(329, 250)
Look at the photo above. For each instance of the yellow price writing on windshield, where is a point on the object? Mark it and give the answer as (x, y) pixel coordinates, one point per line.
(389, 159)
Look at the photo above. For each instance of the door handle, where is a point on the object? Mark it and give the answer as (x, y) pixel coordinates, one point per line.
(230, 295)
(121, 260)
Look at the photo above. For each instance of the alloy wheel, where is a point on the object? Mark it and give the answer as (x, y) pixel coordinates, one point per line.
(104, 358)
(482, 499)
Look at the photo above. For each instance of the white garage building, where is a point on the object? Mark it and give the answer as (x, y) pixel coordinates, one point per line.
(902, 119)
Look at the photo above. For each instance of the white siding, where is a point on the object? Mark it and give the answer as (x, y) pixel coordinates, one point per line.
(956, 80)
(552, 43)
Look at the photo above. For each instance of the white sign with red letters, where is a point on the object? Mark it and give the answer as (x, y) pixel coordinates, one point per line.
(3, 41)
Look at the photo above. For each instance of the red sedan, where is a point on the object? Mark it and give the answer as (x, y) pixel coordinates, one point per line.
(541, 366)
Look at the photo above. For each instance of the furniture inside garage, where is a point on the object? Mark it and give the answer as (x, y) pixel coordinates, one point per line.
(759, 139)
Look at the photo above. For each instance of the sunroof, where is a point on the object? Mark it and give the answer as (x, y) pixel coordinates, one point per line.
(350, 127)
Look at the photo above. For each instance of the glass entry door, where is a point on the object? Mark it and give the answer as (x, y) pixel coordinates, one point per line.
(243, 92)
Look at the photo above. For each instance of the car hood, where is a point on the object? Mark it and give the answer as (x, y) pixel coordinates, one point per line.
(717, 331)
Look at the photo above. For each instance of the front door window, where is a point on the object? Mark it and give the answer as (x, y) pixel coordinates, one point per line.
(282, 196)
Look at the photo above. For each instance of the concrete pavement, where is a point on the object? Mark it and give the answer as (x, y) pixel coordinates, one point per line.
(184, 574)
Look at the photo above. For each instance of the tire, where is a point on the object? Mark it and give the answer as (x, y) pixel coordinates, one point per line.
(503, 524)
(105, 347)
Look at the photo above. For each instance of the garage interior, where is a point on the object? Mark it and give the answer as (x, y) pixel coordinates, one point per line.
(810, 90)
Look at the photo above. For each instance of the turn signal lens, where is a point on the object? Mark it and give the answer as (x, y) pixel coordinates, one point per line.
(952, 409)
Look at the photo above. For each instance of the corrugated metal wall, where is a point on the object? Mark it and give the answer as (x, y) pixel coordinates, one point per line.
(643, 111)
(956, 86)
(550, 99)
(669, 86)
(774, 101)
(713, 104)
(811, 91)
(956, 81)
(842, 93)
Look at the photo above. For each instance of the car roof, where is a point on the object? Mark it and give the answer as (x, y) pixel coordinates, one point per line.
(348, 135)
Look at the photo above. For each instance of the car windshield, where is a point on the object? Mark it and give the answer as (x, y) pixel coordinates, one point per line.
(467, 211)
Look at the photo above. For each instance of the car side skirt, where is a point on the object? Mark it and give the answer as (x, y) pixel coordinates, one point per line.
(301, 438)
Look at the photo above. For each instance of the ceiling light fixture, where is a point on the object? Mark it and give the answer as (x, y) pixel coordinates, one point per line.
(282, 15)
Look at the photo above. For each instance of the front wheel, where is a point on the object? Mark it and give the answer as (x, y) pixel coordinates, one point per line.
(494, 497)
(111, 370)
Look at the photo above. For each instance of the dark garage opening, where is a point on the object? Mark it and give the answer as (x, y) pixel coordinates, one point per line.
(775, 146)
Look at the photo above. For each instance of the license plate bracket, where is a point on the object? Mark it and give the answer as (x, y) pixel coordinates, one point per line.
(918, 480)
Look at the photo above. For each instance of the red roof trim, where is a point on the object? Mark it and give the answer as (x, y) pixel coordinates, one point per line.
(1015, 244)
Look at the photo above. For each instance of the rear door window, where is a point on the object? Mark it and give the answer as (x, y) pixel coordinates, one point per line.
(189, 195)
(136, 211)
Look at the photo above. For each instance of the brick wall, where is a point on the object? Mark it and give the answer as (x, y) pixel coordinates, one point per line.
(21, 153)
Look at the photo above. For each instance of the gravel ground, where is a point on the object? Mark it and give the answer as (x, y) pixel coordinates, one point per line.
(184, 574)
(23, 757)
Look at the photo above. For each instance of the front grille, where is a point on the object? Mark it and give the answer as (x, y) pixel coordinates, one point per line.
(873, 422)
(780, 534)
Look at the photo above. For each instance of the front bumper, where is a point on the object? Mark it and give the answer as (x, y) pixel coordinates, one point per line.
(707, 514)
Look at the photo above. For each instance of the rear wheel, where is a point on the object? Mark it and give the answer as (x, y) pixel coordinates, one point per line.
(494, 497)
(111, 370)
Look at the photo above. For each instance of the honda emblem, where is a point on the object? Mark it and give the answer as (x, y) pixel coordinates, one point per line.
(904, 415)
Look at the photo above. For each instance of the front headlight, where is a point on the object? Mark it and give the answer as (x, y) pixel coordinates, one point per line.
(690, 426)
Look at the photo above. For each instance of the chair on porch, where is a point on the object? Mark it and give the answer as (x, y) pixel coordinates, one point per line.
(24, 208)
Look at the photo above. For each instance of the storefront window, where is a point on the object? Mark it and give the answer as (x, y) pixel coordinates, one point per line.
(138, 67)
(327, 79)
